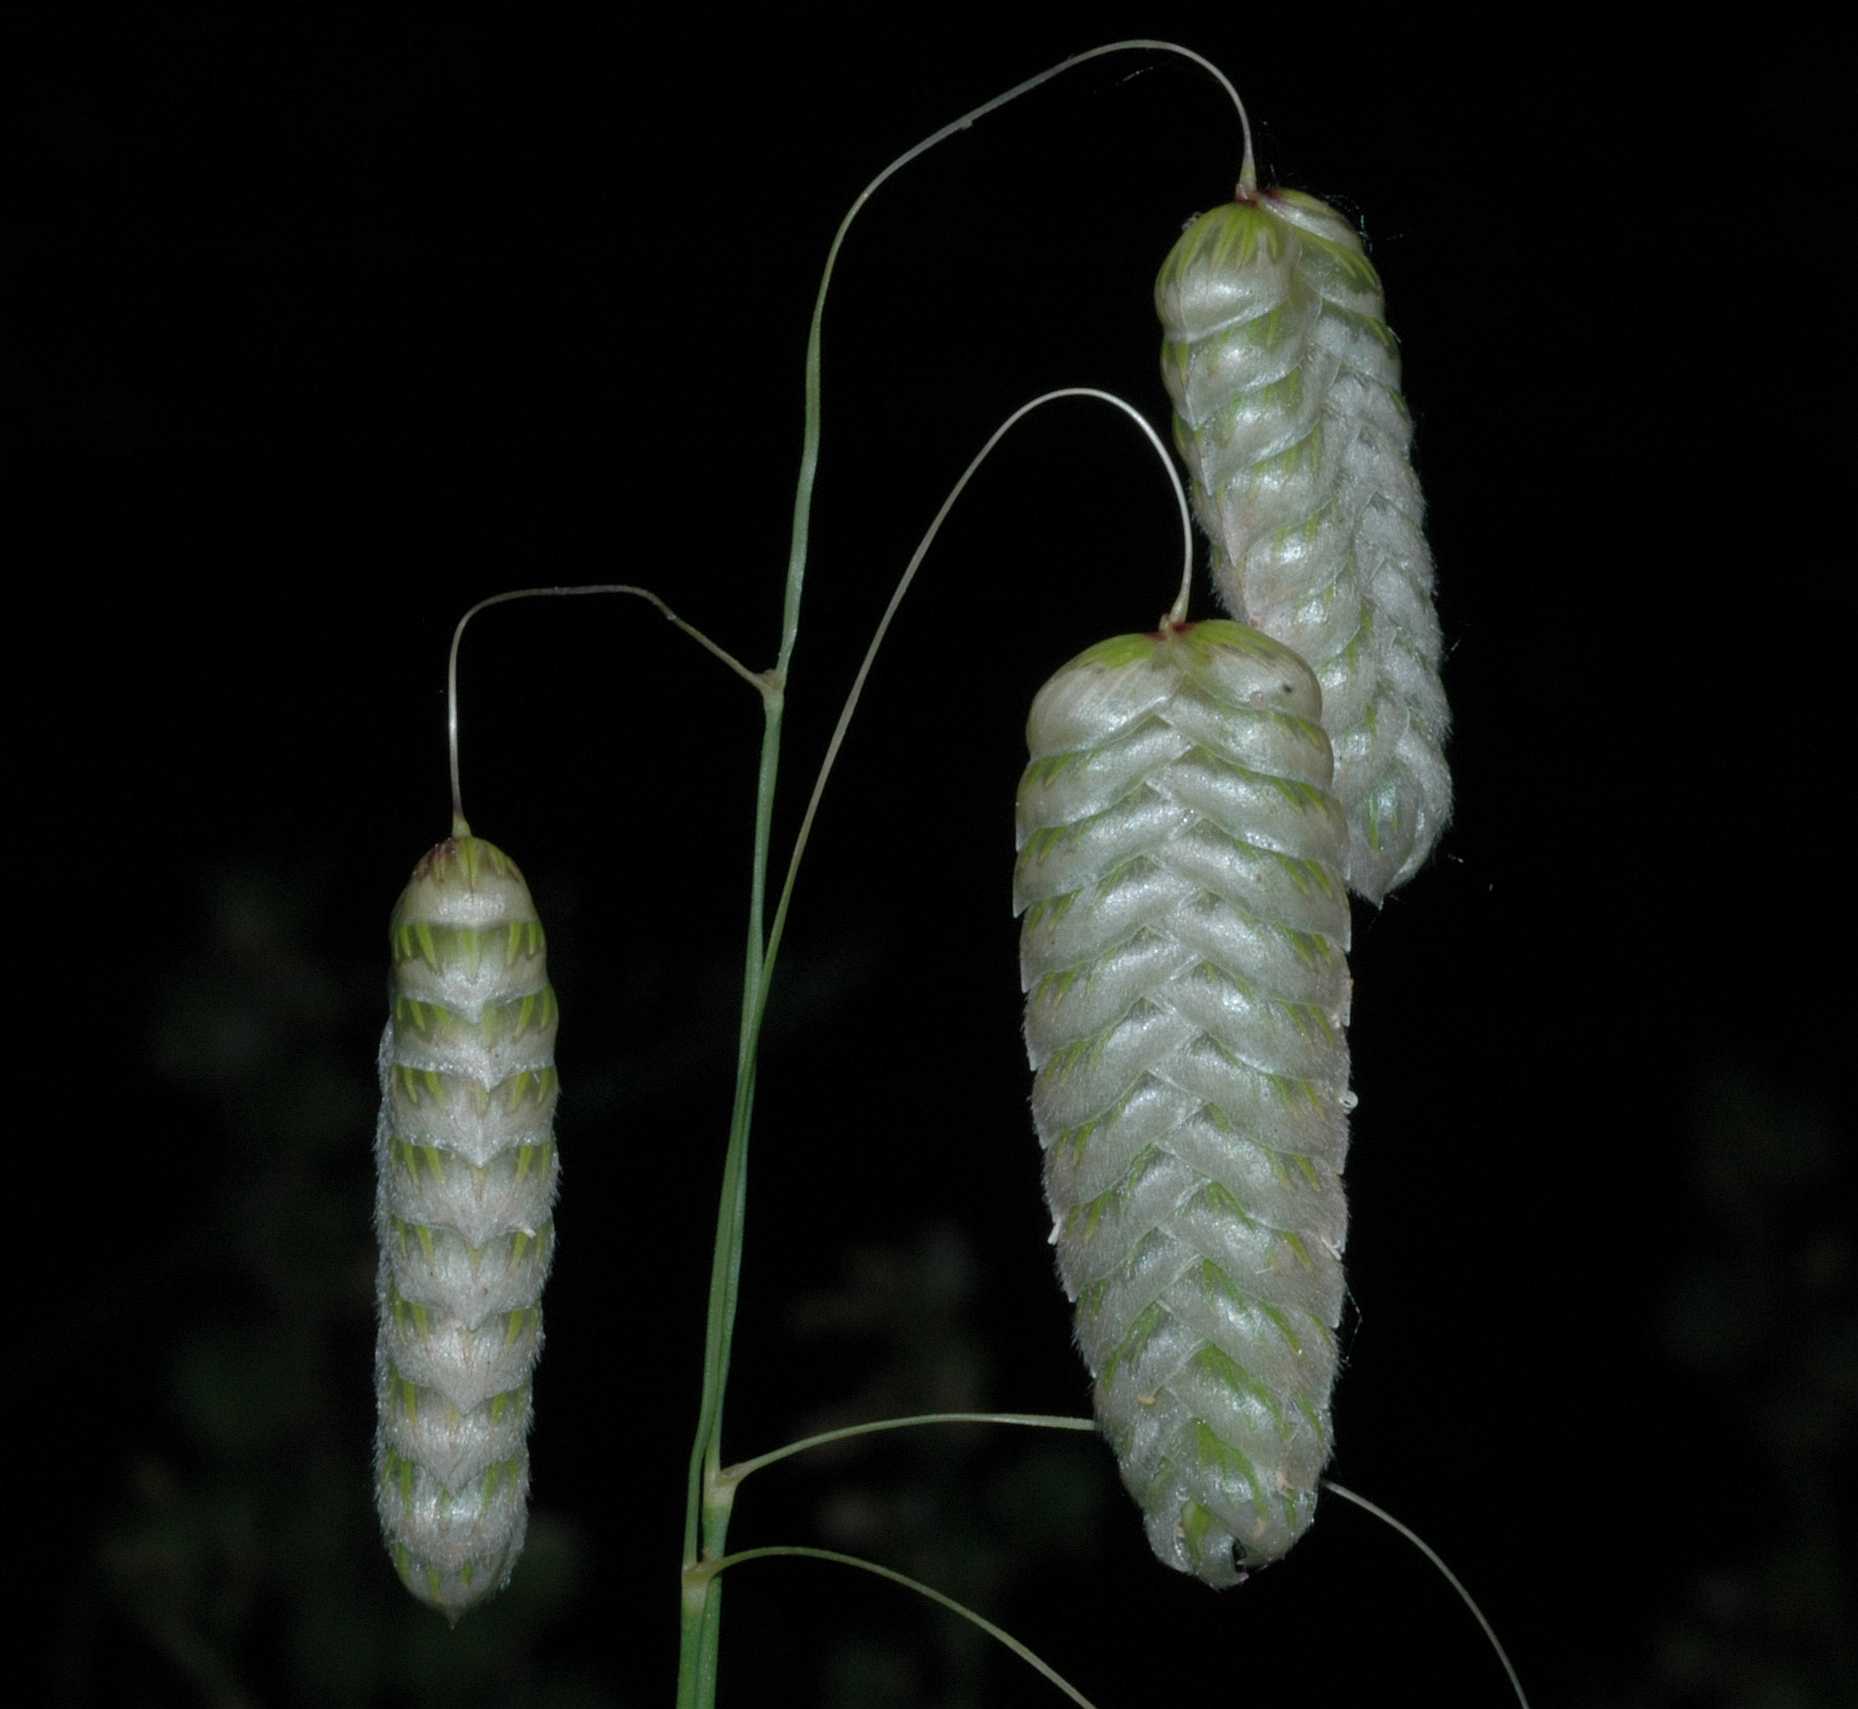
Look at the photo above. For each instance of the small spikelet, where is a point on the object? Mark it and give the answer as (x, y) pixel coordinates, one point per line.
(1285, 380)
(1184, 957)
(466, 1172)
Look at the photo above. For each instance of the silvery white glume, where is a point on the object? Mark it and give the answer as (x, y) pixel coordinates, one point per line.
(1285, 380)
(1184, 954)
(465, 1155)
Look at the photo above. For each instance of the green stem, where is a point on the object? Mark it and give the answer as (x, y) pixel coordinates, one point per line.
(1177, 613)
(1030, 1420)
(1032, 1660)
(708, 1497)
(1450, 1577)
(809, 442)
(459, 827)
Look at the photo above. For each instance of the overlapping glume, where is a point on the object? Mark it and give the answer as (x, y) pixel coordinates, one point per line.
(1285, 381)
(1183, 951)
(465, 1154)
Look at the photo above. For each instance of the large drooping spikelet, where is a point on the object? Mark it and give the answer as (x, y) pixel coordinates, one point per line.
(1184, 955)
(1285, 381)
(465, 1154)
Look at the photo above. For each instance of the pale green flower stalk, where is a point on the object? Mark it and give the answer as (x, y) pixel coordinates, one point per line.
(1285, 380)
(1184, 954)
(466, 1174)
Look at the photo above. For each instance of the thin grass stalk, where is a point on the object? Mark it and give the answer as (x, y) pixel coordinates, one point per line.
(706, 1504)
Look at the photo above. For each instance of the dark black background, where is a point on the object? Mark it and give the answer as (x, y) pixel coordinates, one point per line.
(319, 326)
